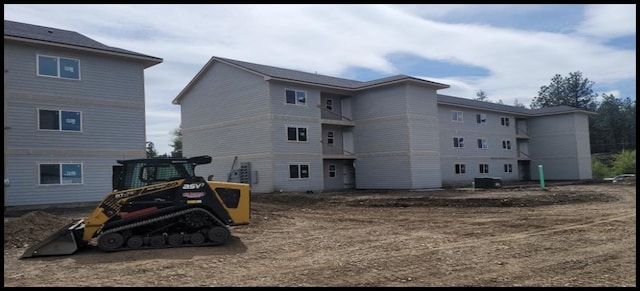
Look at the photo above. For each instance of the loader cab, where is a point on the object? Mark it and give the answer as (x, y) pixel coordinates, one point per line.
(137, 173)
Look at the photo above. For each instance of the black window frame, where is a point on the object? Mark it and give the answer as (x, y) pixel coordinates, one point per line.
(63, 122)
(299, 171)
(459, 168)
(297, 134)
(295, 97)
(484, 168)
(60, 62)
(61, 176)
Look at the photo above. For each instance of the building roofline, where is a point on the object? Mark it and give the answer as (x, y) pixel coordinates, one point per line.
(147, 60)
(356, 86)
(514, 110)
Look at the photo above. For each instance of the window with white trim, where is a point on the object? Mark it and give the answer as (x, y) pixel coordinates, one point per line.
(328, 104)
(504, 121)
(332, 171)
(458, 142)
(506, 144)
(295, 97)
(330, 138)
(59, 120)
(481, 118)
(482, 143)
(508, 168)
(456, 116)
(296, 133)
(59, 173)
(484, 168)
(460, 168)
(298, 171)
(58, 67)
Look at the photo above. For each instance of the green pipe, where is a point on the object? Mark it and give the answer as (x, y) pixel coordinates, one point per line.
(541, 173)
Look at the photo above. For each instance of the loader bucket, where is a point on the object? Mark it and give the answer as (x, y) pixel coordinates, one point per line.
(65, 241)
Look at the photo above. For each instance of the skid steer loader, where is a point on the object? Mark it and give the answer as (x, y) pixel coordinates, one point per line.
(156, 203)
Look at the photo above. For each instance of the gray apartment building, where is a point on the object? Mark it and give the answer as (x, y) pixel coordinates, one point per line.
(286, 130)
(72, 107)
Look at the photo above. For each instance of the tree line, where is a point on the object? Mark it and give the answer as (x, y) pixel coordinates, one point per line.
(611, 130)
(176, 144)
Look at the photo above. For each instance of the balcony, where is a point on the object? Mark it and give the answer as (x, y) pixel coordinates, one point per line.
(522, 134)
(333, 118)
(345, 155)
(522, 156)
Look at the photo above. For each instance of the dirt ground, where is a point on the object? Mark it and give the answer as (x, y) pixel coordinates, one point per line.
(564, 235)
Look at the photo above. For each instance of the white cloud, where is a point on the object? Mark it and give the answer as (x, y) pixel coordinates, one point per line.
(609, 21)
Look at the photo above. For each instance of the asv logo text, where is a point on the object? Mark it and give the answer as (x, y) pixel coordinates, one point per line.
(193, 186)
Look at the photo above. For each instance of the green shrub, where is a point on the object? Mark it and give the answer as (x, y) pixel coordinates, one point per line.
(598, 169)
(624, 162)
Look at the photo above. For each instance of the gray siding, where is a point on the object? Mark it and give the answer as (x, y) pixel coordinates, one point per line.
(296, 152)
(282, 181)
(337, 182)
(227, 114)
(224, 94)
(101, 78)
(471, 155)
(381, 138)
(402, 138)
(424, 138)
(110, 96)
(116, 127)
(380, 171)
(24, 189)
(584, 146)
(560, 143)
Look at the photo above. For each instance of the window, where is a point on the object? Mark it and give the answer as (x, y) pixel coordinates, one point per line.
(296, 134)
(329, 104)
(296, 97)
(504, 121)
(482, 143)
(332, 171)
(481, 118)
(458, 142)
(484, 168)
(508, 168)
(330, 137)
(59, 120)
(506, 144)
(56, 174)
(58, 67)
(159, 173)
(299, 171)
(456, 116)
(460, 169)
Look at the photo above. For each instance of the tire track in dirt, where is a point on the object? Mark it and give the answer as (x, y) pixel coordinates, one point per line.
(416, 246)
(367, 252)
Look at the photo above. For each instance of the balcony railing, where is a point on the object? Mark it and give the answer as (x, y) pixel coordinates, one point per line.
(342, 117)
(523, 155)
(521, 133)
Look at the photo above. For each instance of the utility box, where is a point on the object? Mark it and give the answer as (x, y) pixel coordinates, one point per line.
(487, 182)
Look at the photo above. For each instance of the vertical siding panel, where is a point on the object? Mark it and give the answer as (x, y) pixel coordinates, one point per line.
(424, 137)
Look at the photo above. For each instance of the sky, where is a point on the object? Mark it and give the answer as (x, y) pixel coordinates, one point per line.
(507, 51)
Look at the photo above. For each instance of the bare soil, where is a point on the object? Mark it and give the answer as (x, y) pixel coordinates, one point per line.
(564, 235)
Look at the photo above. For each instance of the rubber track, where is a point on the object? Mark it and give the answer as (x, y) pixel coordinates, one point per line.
(160, 218)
